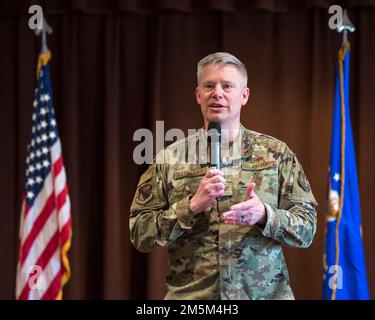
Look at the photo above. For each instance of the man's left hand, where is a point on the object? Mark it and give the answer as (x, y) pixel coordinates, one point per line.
(247, 213)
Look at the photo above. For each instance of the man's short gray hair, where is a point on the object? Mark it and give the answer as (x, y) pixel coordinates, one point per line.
(221, 58)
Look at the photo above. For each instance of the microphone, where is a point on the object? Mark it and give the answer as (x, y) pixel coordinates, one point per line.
(214, 142)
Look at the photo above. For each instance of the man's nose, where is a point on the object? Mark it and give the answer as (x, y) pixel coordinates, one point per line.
(217, 92)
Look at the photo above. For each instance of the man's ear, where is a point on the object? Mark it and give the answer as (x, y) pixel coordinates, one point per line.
(197, 95)
(245, 95)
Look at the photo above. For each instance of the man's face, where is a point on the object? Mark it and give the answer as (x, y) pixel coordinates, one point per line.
(221, 93)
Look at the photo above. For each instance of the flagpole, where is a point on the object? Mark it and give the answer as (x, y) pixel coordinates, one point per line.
(46, 28)
(345, 26)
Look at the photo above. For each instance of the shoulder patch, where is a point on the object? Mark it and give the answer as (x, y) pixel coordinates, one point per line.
(144, 194)
(303, 182)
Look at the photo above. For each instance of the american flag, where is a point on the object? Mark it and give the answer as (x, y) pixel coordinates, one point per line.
(45, 226)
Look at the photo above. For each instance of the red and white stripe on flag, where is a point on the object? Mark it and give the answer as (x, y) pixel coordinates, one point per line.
(46, 225)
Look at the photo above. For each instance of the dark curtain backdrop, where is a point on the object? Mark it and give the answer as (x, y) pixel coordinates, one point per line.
(118, 66)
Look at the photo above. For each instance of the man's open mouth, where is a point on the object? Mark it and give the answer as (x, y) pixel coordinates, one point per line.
(216, 106)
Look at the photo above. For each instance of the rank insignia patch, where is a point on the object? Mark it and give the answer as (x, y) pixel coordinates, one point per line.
(246, 148)
(302, 181)
(144, 194)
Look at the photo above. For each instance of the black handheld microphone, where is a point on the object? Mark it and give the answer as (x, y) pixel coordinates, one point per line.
(214, 142)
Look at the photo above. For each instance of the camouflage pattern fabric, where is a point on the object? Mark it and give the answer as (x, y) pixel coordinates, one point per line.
(207, 258)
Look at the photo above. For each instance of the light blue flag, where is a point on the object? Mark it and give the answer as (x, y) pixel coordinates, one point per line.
(344, 260)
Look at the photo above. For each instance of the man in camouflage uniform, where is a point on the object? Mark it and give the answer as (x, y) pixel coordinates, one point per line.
(224, 228)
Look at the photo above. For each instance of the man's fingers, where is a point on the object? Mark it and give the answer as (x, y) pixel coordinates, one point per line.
(216, 178)
(227, 215)
(213, 172)
(250, 190)
(231, 222)
(235, 214)
(242, 206)
(231, 217)
(249, 204)
(217, 187)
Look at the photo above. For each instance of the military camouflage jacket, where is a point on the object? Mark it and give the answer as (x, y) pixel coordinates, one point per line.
(207, 258)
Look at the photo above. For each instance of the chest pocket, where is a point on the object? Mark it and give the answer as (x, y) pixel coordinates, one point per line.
(265, 175)
(186, 182)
